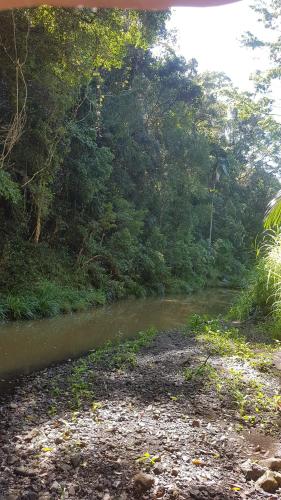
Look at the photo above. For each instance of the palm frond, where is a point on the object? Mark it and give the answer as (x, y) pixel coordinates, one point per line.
(273, 212)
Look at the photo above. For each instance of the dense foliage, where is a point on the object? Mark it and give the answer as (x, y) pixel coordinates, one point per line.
(121, 172)
(262, 297)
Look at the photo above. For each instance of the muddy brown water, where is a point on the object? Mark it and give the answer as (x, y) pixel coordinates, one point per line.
(30, 345)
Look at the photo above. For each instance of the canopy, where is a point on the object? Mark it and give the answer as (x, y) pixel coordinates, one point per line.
(121, 4)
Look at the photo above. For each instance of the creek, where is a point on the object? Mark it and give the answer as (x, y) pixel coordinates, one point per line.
(26, 346)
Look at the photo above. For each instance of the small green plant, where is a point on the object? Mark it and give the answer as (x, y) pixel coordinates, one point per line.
(124, 359)
(204, 372)
(52, 410)
(263, 363)
(56, 391)
(148, 459)
(250, 398)
(80, 383)
(96, 406)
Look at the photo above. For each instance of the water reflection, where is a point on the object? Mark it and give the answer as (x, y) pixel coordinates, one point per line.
(25, 346)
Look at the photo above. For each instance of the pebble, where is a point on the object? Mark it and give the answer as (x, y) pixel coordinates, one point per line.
(143, 481)
(160, 492)
(158, 469)
(196, 423)
(267, 482)
(55, 486)
(252, 471)
(271, 463)
(22, 471)
(71, 489)
(12, 459)
(75, 460)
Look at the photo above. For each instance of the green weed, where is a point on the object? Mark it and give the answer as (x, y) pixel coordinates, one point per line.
(148, 459)
(204, 372)
(219, 338)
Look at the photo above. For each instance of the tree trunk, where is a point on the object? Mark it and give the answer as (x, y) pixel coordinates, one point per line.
(211, 223)
(38, 226)
(212, 217)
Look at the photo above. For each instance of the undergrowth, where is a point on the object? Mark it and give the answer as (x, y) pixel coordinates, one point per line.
(120, 356)
(255, 404)
(48, 299)
(261, 300)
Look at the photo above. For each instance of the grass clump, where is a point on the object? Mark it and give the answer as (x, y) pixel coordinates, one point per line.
(201, 372)
(48, 299)
(262, 297)
(255, 406)
(219, 338)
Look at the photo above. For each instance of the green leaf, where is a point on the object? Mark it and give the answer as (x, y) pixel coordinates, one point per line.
(9, 190)
(273, 212)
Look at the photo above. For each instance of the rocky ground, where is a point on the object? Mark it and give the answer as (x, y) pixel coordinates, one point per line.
(143, 430)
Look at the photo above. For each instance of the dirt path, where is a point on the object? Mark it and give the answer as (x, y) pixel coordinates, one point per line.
(146, 417)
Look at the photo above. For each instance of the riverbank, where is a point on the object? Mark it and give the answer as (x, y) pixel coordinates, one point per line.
(169, 415)
(27, 293)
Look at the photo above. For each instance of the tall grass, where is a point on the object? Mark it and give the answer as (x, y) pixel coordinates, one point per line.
(48, 299)
(262, 297)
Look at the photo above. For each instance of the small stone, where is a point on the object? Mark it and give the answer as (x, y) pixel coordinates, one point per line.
(22, 471)
(158, 469)
(112, 429)
(271, 463)
(196, 423)
(267, 482)
(32, 434)
(195, 493)
(173, 491)
(71, 489)
(30, 495)
(160, 492)
(175, 472)
(106, 497)
(143, 481)
(75, 460)
(252, 471)
(64, 467)
(123, 496)
(277, 477)
(12, 459)
(55, 486)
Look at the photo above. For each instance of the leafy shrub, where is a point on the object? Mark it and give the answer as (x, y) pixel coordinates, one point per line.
(262, 297)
